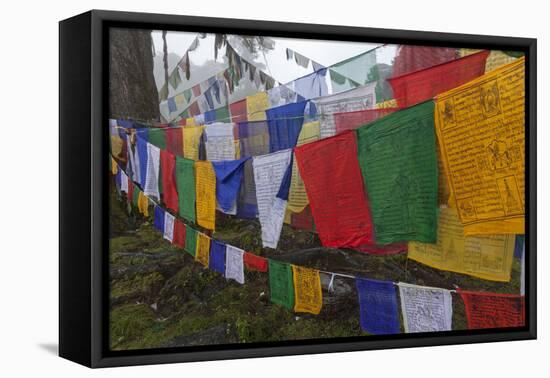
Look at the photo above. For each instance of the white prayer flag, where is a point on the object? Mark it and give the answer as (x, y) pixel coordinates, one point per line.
(234, 266)
(220, 142)
(425, 309)
(168, 226)
(268, 174)
(153, 167)
(123, 181)
(134, 160)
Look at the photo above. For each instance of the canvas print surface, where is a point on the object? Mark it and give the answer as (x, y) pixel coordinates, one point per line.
(274, 189)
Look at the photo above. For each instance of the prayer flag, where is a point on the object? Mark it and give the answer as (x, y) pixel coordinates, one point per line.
(284, 124)
(268, 175)
(143, 204)
(174, 140)
(190, 240)
(425, 309)
(481, 133)
(220, 144)
(191, 140)
(238, 111)
(334, 187)
(157, 137)
(378, 306)
(353, 120)
(234, 267)
(255, 262)
(487, 257)
(217, 256)
(153, 166)
(490, 310)
(256, 106)
(202, 253)
(398, 160)
(159, 219)
(179, 234)
(185, 181)
(168, 175)
(229, 175)
(281, 285)
(205, 189)
(416, 87)
(307, 290)
(412, 58)
(168, 226)
(141, 143)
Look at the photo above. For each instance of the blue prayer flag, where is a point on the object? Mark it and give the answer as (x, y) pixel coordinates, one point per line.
(284, 124)
(159, 219)
(142, 139)
(217, 256)
(210, 116)
(229, 174)
(284, 189)
(378, 306)
(172, 107)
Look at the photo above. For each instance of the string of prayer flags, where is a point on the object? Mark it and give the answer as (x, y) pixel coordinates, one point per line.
(205, 191)
(179, 234)
(425, 309)
(254, 262)
(416, 87)
(217, 256)
(268, 175)
(143, 204)
(490, 310)
(185, 182)
(157, 137)
(256, 106)
(378, 306)
(398, 160)
(486, 257)
(334, 187)
(174, 140)
(152, 177)
(220, 143)
(168, 176)
(158, 221)
(229, 175)
(360, 98)
(281, 284)
(141, 144)
(191, 140)
(234, 266)
(481, 133)
(169, 220)
(190, 240)
(202, 253)
(284, 124)
(297, 199)
(307, 290)
(353, 120)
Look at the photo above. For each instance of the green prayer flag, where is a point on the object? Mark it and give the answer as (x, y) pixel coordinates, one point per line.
(157, 137)
(397, 156)
(135, 195)
(222, 114)
(185, 182)
(190, 240)
(187, 94)
(175, 78)
(281, 285)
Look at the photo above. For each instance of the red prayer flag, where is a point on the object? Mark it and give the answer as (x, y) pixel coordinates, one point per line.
(238, 111)
(413, 58)
(130, 193)
(196, 90)
(255, 262)
(194, 109)
(353, 120)
(490, 310)
(334, 186)
(179, 234)
(168, 173)
(303, 220)
(174, 141)
(389, 249)
(419, 86)
(182, 122)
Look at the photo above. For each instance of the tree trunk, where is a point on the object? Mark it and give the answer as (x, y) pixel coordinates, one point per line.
(132, 90)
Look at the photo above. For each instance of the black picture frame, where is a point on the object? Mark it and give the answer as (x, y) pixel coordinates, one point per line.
(83, 154)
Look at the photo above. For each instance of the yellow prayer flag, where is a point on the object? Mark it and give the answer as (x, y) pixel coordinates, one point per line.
(191, 141)
(297, 197)
(143, 204)
(116, 145)
(205, 188)
(481, 133)
(495, 59)
(114, 166)
(202, 252)
(308, 296)
(488, 257)
(256, 106)
(190, 121)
